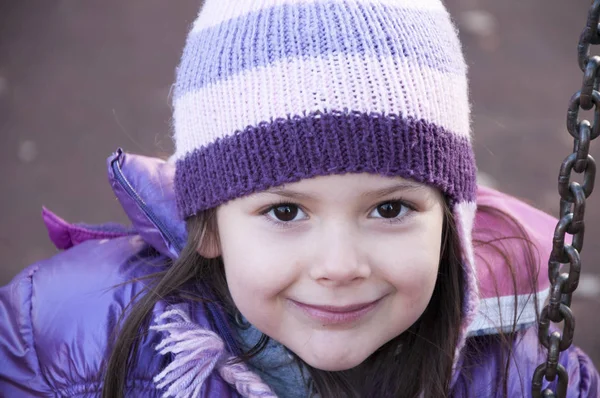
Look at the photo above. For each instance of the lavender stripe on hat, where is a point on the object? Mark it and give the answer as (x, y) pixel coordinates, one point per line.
(317, 30)
(213, 14)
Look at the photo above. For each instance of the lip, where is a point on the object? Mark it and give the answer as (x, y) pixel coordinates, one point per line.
(336, 315)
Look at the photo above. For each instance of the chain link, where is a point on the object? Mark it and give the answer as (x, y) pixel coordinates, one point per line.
(572, 210)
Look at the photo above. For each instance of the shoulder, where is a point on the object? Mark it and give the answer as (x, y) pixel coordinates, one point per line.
(512, 244)
(485, 359)
(60, 315)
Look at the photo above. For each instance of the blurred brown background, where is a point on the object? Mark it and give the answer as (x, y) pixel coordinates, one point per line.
(80, 78)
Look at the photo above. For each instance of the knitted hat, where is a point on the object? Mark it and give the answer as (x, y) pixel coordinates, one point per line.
(270, 92)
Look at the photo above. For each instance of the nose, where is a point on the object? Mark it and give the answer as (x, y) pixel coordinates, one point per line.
(338, 258)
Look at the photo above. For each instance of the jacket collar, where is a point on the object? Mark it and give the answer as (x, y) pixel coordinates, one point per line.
(144, 187)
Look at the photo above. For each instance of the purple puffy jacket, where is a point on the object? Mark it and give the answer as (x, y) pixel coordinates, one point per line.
(56, 316)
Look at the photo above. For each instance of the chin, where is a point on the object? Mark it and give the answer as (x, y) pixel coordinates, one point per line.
(331, 363)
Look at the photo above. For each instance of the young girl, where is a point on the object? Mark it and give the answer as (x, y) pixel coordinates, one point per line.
(318, 231)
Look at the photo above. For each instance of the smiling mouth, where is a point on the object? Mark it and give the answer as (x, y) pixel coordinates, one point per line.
(336, 315)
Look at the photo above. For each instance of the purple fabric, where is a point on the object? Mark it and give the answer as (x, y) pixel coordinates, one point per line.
(65, 235)
(315, 37)
(485, 359)
(288, 150)
(151, 180)
(57, 318)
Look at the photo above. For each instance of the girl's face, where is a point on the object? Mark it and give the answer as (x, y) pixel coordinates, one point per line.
(333, 267)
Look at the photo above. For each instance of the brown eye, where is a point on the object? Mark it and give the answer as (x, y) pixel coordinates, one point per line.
(285, 212)
(390, 209)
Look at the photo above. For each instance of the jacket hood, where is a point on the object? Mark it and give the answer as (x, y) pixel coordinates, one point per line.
(144, 187)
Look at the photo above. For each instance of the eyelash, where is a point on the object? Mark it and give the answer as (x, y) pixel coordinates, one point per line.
(287, 224)
(280, 224)
(410, 209)
(401, 218)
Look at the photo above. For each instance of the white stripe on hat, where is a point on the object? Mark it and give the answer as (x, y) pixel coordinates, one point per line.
(301, 86)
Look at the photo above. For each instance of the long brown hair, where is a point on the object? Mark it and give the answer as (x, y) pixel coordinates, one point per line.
(418, 361)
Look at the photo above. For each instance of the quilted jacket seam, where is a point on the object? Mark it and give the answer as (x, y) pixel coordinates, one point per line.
(33, 340)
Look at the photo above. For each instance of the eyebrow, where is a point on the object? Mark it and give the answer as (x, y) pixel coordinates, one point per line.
(401, 186)
(288, 193)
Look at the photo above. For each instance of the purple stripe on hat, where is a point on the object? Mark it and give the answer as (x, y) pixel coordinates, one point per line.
(288, 150)
(317, 29)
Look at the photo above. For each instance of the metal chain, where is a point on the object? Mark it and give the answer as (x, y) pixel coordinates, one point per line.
(572, 208)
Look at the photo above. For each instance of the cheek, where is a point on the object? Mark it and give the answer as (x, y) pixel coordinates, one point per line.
(256, 268)
(410, 264)
(256, 277)
(249, 281)
(415, 276)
